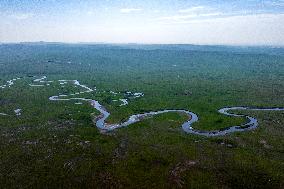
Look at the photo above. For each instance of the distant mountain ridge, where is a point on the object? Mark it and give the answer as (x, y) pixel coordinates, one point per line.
(272, 50)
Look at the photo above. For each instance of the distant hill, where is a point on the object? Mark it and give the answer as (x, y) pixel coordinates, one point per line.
(212, 48)
(272, 50)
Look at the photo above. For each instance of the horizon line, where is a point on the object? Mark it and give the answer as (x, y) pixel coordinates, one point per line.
(135, 43)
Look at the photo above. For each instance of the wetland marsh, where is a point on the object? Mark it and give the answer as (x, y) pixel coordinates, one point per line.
(56, 114)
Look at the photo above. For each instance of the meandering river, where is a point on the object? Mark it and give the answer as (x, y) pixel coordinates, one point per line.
(101, 123)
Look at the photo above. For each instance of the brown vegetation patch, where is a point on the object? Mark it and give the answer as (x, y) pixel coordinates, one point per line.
(176, 174)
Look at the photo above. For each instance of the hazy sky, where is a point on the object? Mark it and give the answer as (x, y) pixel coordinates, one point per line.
(237, 22)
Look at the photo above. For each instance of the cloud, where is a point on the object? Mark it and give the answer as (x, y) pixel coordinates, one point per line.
(261, 29)
(90, 12)
(22, 16)
(191, 9)
(279, 3)
(130, 10)
(249, 17)
(196, 12)
(185, 17)
(177, 17)
(201, 13)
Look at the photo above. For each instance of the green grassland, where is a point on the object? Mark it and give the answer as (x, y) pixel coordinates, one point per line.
(54, 144)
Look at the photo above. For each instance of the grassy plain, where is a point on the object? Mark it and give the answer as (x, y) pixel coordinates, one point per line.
(55, 144)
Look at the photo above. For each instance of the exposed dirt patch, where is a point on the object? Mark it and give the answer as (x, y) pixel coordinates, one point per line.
(265, 145)
(107, 180)
(176, 174)
(61, 124)
(121, 151)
